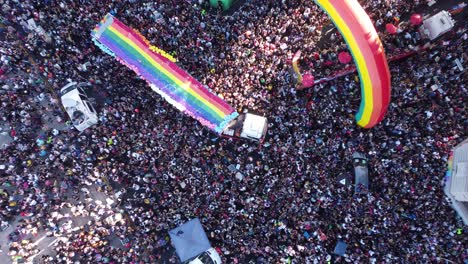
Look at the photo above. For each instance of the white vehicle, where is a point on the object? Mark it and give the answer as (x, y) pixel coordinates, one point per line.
(78, 107)
(247, 126)
(208, 257)
(437, 25)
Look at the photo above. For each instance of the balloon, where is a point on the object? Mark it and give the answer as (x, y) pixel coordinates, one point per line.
(416, 19)
(344, 57)
(392, 29)
(307, 80)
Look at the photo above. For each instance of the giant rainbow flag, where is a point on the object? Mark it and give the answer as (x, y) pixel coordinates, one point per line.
(162, 74)
(369, 55)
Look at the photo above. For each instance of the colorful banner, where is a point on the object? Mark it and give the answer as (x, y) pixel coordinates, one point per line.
(368, 53)
(448, 173)
(162, 74)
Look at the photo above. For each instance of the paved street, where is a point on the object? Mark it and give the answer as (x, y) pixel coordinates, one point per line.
(44, 243)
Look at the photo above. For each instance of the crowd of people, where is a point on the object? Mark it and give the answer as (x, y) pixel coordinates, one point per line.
(163, 168)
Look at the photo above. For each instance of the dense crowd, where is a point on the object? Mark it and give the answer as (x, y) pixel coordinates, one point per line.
(165, 168)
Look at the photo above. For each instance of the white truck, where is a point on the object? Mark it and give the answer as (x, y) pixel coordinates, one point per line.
(78, 107)
(437, 25)
(247, 126)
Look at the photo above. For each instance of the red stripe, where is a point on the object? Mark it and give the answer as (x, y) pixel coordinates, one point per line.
(376, 62)
(386, 84)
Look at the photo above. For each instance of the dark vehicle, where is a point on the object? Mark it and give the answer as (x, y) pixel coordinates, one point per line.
(361, 173)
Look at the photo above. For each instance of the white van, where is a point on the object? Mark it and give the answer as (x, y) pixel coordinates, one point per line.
(247, 126)
(78, 107)
(210, 256)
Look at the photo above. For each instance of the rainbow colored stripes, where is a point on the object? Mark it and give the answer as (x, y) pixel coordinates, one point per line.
(449, 166)
(162, 74)
(369, 56)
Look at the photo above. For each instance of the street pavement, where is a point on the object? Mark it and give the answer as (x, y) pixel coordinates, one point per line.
(45, 244)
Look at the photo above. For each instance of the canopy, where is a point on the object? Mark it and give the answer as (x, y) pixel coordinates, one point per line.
(189, 240)
(340, 248)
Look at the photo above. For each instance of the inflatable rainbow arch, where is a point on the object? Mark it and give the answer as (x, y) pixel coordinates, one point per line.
(368, 53)
(162, 74)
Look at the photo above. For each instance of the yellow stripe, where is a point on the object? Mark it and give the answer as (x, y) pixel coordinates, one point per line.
(365, 78)
(181, 84)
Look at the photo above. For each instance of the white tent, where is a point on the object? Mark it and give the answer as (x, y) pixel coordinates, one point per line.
(189, 240)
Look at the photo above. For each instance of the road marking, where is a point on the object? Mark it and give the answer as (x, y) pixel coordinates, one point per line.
(30, 259)
(53, 242)
(39, 240)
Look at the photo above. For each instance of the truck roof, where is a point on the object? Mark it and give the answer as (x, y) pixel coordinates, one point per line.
(254, 126)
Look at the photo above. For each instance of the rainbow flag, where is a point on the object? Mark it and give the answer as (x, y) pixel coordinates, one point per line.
(359, 33)
(162, 73)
